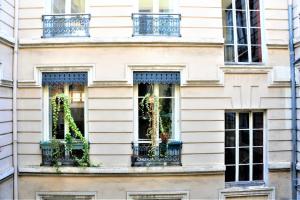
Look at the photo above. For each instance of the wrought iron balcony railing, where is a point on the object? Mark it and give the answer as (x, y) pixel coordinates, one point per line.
(68, 25)
(49, 155)
(162, 155)
(156, 24)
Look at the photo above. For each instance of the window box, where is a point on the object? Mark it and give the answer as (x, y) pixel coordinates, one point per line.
(65, 157)
(164, 155)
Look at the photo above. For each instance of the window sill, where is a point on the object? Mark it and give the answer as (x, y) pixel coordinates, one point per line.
(244, 184)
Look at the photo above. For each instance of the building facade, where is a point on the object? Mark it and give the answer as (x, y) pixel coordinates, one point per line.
(6, 65)
(176, 99)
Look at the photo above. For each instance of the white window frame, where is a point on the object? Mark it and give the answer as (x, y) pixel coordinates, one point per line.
(235, 44)
(48, 9)
(46, 112)
(155, 4)
(265, 167)
(175, 121)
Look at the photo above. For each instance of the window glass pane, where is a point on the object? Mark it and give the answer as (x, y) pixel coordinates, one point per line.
(254, 4)
(244, 173)
(229, 120)
(143, 122)
(243, 120)
(77, 96)
(244, 138)
(145, 6)
(255, 36)
(243, 53)
(258, 138)
(229, 138)
(227, 4)
(254, 19)
(240, 4)
(229, 53)
(229, 156)
(242, 35)
(230, 173)
(58, 6)
(258, 171)
(258, 120)
(165, 6)
(256, 54)
(228, 35)
(78, 6)
(143, 89)
(227, 18)
(166, 107)
(166, 90)
(244, 155)
(59, 132)
(241, 19)
(257, 154)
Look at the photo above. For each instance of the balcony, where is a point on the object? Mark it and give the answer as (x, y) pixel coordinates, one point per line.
(60, 155)
(68, 25)
(162, 155)
(156, 24)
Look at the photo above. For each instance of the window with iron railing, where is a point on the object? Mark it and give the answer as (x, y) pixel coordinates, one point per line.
(67, 18)
(156, 18)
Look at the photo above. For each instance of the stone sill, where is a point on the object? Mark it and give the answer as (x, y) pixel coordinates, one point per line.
(104, 171)
(6, 173)
(122, 41)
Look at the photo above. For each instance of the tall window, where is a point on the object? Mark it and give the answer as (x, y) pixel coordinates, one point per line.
(244, 157)
(242, 31)
(76, 94)
(156, 6)
(67, 6)
(166, 103)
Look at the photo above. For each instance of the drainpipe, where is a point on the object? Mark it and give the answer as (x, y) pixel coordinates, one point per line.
(293, 103)
(15, 78)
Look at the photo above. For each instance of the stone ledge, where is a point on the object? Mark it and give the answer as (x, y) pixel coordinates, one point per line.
(119, 42)
(6, 173)
(279, 166)
(111, 171)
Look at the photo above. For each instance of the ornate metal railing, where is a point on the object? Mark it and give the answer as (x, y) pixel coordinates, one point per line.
(68, 25)
(64, 157)
(156, 24)
(162, 155)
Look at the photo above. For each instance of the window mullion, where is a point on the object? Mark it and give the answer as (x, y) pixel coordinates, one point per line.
(235, 40)
(66, 92)
(248, 31)
(155, 6)
(251, 146)
(68, 7)
(237, 147)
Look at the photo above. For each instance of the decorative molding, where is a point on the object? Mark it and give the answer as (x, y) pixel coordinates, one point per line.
(6, 173)
(126, 171)
(279, 166)
(79, 195)
(6, 40)
(39, 69)
(269, 192)
(6, 83)
(245, 69)
(182, 195)
(120, 42)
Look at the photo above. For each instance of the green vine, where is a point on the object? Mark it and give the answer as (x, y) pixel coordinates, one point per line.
(59, 102)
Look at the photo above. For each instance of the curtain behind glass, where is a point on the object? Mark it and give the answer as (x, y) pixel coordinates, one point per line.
(77, 6)
(58, 6)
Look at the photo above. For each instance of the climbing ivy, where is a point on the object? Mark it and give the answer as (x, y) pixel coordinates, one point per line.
(61, 102)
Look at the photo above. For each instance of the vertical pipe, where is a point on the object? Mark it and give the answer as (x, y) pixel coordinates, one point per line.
(15, 78)
(293, 101)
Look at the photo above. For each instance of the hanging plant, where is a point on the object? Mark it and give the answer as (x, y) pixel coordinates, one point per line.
(61, 102)
(150, 108)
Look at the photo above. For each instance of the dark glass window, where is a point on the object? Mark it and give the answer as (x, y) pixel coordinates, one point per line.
(244, 146)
